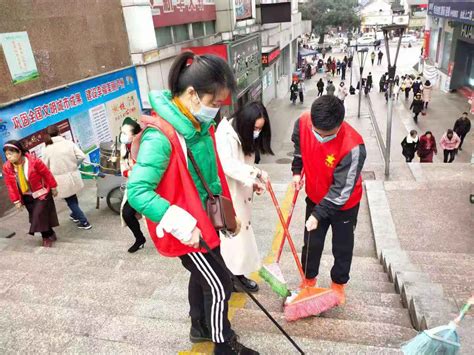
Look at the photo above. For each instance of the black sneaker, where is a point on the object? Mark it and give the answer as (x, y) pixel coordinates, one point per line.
(244, 284)
(233, 347)
(85, 225)
(199, 333)
(73, 219)
(139, 244)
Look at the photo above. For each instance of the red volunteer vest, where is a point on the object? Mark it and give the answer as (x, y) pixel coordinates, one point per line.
(320, 160)
(178, 188)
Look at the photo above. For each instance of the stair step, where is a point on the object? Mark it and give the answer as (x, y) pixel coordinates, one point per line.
(23, 340)
(20, 314)
(449, 279)
(354, 309)
(438, 258)
(276, 344)
(432, 269)
(357, 283)
(347, 331)
(143, 332)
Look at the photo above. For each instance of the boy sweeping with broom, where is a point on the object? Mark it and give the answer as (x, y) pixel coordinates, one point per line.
(332, 154)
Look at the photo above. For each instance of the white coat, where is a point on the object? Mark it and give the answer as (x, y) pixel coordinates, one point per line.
(427, 93)
(240, 253)
(63, 158)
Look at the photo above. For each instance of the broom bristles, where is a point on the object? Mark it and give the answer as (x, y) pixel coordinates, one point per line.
(311, 301)
(440, 340)
(273, 276)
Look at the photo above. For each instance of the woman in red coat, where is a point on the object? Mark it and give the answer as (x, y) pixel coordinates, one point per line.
(427, 147)
(31, 184)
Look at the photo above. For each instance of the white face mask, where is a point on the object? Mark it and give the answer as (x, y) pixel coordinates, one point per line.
(256, 134)
(205, 113)
(125, 139)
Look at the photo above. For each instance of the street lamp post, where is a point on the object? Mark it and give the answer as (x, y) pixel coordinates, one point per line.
(362, 53)
(391, 76)
(349, 49)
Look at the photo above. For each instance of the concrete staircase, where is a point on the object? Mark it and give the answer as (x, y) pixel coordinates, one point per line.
(425, 242)
(88, 295)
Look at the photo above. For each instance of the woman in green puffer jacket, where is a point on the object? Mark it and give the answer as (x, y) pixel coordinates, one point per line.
(199, 85)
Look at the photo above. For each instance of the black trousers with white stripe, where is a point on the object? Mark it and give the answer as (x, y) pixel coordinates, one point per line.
(209, 292)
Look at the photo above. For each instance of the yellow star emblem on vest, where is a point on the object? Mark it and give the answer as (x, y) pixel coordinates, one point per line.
(330, 159)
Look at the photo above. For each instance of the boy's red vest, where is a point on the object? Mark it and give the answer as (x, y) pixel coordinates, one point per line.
(178, 188)
(320, 160)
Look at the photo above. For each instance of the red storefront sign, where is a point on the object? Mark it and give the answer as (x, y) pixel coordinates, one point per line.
(269, 58)
(426, 44)
(178, 12)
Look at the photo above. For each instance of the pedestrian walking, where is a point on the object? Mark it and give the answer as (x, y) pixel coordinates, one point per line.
(427, 147)
(462, 126)
(396, 91)
(382, 82)
(320, 65)
(342, 92)
(294, 91)
(406, 85)
(167, 189)
(379, 57)
(427, 90)
(309, 70)
(301, 91)
(130, 128)
(62, 157)
(323, 52)
(338, 67)
(330, 88)
(372, 57)
(333, 67)
(417, 86)
(237, 141)
(410, 145)
(332, 154)
(370, 81)
(397, 80)
(349, 61)
(343, 70)
(450, 143)
(345, 60)
(416, 106)
(30, 184)
(320, 86)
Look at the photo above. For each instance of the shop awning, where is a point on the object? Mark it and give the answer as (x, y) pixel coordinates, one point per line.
(304, 52)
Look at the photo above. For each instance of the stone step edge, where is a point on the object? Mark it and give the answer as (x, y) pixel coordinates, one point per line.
(251, 313)
(422, 297)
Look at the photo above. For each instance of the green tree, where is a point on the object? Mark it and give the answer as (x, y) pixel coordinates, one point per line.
(330, 13)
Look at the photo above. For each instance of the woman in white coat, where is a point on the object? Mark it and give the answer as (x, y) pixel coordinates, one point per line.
(427, 89)
(238, 139)
(63, 158)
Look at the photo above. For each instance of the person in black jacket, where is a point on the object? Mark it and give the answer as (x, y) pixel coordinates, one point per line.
(382, 81)
(417, 86)
(370, 81)
(462, 126)
(410, 145)
(417, 106)
(320, 86)
(294, 91)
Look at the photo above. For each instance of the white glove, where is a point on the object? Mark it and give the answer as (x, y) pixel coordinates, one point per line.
(178, 223)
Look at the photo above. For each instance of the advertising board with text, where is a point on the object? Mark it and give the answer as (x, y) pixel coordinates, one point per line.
(89, 112)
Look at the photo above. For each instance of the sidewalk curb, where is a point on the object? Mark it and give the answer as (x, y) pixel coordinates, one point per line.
(424, 299)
